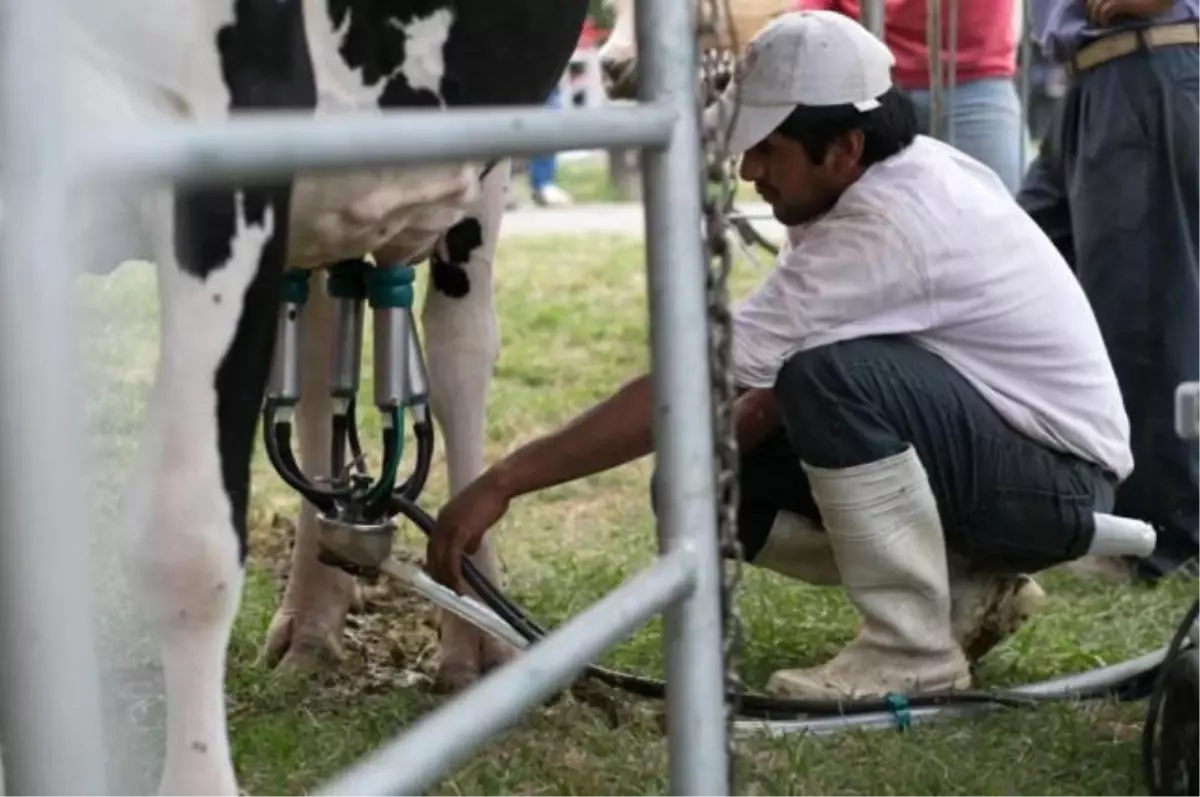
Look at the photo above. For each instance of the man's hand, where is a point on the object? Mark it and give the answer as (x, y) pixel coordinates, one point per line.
(460, 528)
(1103, 12)
(615, 431)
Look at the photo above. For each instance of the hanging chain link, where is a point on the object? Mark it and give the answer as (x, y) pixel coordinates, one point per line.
(715, 19)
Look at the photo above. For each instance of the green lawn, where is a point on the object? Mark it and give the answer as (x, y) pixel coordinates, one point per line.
(573, 325)
(587, 181)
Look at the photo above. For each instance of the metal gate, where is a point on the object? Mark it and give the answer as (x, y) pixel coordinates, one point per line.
(50, 708)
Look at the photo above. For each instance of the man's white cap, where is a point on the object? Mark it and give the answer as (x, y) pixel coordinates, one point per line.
(816, 58)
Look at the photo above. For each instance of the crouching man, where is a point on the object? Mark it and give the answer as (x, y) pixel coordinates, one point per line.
(928, 413)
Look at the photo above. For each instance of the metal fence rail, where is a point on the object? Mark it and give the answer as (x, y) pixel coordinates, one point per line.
(872, 16)
(443, 739)
(49, 701)
(279, 144)
(49, 679)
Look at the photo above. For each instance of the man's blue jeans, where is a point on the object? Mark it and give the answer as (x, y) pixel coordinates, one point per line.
(984, 121)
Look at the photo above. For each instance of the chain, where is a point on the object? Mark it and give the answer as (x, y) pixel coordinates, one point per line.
(715, 68)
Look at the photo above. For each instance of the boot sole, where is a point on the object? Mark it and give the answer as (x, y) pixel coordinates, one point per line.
(794, 685)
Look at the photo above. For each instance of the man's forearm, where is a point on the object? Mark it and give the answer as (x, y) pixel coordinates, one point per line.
(616, 431)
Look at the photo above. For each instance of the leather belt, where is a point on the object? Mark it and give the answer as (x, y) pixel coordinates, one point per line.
(1121, 44)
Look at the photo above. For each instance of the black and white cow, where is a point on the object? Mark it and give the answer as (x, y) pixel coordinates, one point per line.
(221, 252)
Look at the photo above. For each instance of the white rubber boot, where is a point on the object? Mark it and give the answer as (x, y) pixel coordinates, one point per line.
(985, 609)
(796, 547)
(883, 526)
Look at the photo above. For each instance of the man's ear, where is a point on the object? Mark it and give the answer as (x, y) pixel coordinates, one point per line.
(845, 152)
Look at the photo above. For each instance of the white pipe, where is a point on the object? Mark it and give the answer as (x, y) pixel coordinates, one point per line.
(281, 144)
(466, 607)
(50, 699)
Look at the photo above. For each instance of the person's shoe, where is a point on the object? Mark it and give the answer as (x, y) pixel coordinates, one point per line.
(886, 536)
(1116, 570)
(551, 196)
(986, 609)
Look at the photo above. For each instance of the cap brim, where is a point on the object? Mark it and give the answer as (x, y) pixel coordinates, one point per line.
(752, 125)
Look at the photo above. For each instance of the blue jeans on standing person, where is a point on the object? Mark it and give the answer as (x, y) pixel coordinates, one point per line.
(984, 122)
(542, 167)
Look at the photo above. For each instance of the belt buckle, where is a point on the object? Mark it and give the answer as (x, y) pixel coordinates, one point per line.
(1142, 42)
(1104, 45)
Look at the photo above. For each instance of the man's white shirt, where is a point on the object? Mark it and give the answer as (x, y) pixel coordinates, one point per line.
(930, 245)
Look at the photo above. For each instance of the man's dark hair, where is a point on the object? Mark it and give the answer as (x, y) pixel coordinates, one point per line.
(887, 129)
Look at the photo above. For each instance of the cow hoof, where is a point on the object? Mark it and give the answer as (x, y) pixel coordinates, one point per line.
(494, 653)
(459, 672)
(454, 677)
(294, 646)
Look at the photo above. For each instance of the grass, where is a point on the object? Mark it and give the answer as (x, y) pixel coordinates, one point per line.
(573, 326)
(587, 181)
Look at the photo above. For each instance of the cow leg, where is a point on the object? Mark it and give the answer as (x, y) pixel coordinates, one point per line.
(462, 341)
(219, 279)
(307, 628)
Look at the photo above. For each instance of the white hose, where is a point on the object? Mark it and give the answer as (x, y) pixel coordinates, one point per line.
(465, 607)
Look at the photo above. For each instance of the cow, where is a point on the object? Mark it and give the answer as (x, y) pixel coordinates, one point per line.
(736, 22)
(220, 254)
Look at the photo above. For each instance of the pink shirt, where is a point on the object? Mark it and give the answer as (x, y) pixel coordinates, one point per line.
(986, 45)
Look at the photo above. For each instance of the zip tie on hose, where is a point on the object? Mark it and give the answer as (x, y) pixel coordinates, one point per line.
(897, 703)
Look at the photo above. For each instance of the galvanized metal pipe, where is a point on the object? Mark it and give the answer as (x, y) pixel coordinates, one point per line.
(444, 738)
(283, 144)
(951, 68)
(873, 17)
(50, 717)
(683, 433)
(1026, 48)
(933, 46)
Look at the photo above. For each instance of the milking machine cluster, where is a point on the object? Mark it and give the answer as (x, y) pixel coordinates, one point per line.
(356, 528)
(355, 511)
